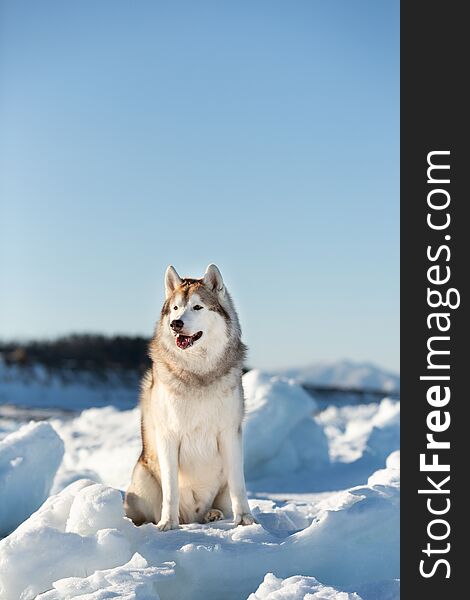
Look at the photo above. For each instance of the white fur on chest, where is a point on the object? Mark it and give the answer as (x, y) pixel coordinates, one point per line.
(207, 410)
(195, 422)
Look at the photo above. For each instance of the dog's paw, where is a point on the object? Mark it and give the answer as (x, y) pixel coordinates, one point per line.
(167, 524)
(244, 519)
(214, 514)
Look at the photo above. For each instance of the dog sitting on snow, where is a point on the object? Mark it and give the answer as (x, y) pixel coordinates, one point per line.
(191, 465)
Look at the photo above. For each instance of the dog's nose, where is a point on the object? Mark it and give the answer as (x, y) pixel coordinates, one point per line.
(177, 325)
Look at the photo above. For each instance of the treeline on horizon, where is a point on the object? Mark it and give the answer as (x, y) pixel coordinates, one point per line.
(81, 352)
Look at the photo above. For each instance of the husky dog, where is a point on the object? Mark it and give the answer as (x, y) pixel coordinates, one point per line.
(191, 465)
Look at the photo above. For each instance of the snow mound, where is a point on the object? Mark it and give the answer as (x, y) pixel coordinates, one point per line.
(79, 531)
(280, 433)
(390, 475)
(297, 588)
(363, 522)
(300, 587)
(83, 543)
(353, 430)
(29, 459)
(132, 581)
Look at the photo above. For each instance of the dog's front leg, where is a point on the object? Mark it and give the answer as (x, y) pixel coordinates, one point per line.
(232, 456)
(167, 448)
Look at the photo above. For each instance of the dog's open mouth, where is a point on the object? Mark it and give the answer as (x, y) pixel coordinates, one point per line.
(186, 341)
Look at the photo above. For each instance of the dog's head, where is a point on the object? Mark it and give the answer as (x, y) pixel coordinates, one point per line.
(198, 319)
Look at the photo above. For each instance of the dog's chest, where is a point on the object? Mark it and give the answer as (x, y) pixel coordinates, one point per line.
(196, 422)
(197, 414)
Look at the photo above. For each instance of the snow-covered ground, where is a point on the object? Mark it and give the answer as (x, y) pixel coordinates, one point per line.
(323, 486)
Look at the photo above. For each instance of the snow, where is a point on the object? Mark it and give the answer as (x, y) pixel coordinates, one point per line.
(349, 539)
(297, 588)
(29, 459)
(59, 549)
(102, 444)
(350, 428)
(324, 488)
(346, 374)
(300, 587)
(133, 581)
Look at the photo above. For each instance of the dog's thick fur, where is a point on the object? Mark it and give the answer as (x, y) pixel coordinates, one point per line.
(191, 465)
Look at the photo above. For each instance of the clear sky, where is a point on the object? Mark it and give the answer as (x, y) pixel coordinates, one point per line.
(259, 135)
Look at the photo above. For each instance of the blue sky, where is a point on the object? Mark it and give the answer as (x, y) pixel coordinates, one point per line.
(262, 136)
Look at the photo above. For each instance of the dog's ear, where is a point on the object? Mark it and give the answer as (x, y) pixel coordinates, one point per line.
(213, 280)
(172, 280)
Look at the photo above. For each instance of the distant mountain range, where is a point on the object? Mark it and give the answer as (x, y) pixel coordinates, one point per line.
(345, 374)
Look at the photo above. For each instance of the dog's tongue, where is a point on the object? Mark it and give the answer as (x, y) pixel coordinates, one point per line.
(183, 341)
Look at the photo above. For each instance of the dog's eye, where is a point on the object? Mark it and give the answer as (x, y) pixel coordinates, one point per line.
(175, 308)
(197, 307)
